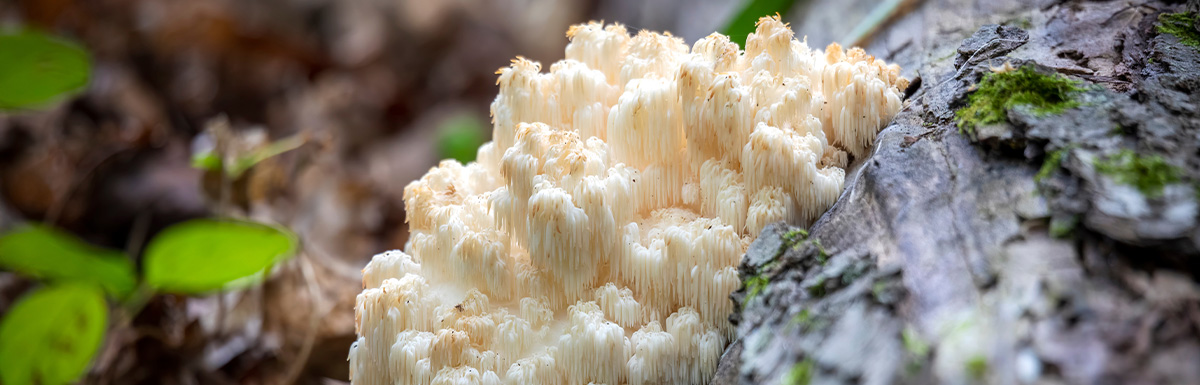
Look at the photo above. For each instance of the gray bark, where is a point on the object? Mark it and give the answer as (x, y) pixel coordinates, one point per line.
(941, 267)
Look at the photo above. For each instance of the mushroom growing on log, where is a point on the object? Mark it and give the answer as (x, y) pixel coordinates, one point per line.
(596, 238)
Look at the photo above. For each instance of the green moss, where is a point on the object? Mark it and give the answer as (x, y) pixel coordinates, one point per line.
(1184, 25)
(769, 265)
(1062, 226)
(802, 319)
(1023, 23)
(822, 255)
(818, 288)
(878, 289)
(916, 347)
(850, 275)
(755, 285)
(1001, 91)
(1150, 173)
(977, 368)
(795, 238)
(913, 343)
(801, 373)
(1052, 163)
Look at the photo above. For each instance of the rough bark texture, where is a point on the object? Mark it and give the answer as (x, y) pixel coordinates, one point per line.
(937, 264)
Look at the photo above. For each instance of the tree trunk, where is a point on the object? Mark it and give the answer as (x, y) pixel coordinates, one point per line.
(950, 258)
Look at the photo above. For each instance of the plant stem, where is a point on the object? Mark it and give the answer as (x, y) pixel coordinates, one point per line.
(133, 304)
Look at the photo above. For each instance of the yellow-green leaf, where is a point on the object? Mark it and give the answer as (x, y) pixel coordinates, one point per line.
(459, 138)
(743, 22)
(36, 68)
(50, 336)
(43, 252)
(204, 255)
(206, 161)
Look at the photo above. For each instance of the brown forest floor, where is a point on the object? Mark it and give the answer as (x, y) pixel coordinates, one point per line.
(367, 82)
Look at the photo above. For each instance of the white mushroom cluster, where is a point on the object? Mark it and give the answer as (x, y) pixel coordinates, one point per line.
(596, 238)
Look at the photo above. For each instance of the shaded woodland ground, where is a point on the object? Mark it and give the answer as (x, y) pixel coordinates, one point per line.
(367, 84)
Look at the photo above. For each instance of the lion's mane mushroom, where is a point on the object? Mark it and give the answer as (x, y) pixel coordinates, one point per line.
(595, 239)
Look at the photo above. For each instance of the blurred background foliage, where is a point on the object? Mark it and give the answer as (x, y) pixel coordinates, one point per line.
(126, 125)
(38, 68)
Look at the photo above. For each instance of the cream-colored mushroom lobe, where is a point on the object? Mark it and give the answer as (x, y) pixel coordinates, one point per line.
(596, 238)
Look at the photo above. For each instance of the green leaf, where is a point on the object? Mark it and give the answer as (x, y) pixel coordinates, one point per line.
(459, 138)
(206, 161)
(744, 22)
(51, 335)
(44, 252)
(204, 255)
(37, 68)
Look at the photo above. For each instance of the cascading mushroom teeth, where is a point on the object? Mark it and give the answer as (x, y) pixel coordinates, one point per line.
(596, 238)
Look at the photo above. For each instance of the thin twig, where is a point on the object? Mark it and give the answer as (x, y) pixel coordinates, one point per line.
(58, 204)
(871, 23)
(221, 313)
(133, 304)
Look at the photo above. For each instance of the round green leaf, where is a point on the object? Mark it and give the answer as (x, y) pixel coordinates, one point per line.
(204, 255)
(740, 25)
(50, 336)
(38, 68)
(459, 138)
(43, 252)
